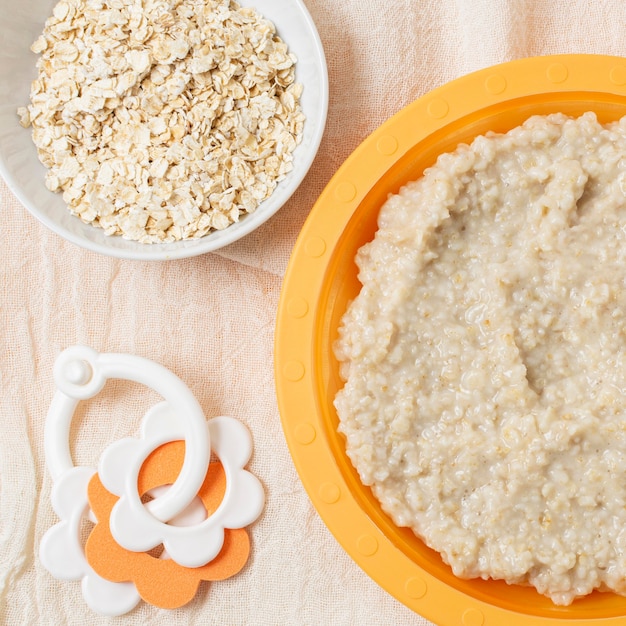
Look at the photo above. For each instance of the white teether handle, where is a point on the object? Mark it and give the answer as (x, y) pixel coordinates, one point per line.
(80, 373)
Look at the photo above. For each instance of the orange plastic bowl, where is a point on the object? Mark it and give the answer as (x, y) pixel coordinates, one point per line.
(322, 278)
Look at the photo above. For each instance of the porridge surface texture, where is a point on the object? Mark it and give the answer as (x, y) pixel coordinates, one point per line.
(485, 357)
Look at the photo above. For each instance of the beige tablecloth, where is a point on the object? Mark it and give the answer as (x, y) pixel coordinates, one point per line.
(211, 320)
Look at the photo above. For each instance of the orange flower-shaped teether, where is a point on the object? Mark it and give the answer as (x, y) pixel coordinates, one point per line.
(161, 581)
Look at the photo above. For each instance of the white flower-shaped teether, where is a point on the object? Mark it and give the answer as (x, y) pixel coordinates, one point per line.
(136, 529)
(62, 554)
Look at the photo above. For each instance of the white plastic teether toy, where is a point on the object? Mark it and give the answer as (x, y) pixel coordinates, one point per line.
(191, 538)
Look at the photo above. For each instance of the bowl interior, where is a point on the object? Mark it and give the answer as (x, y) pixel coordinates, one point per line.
(341, 285)
(19, 166)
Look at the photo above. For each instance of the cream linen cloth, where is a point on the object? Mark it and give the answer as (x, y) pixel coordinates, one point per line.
(211, 319)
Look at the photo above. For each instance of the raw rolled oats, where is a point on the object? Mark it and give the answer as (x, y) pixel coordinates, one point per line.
(161, 120)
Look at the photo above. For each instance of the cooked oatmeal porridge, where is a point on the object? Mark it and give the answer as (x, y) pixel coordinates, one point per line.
(485, 357)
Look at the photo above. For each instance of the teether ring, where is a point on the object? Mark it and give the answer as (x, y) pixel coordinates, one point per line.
(198, 511)
(80, 373)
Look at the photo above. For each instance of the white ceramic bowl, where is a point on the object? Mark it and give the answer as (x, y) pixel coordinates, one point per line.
(21, 24)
